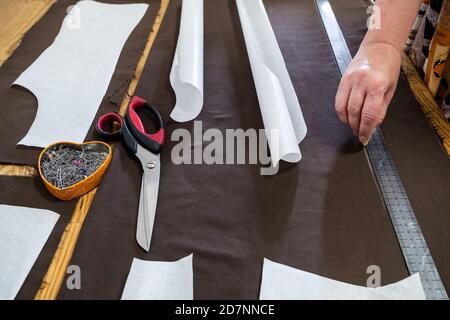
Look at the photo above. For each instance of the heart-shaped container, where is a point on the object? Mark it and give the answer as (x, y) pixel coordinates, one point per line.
(85, 185)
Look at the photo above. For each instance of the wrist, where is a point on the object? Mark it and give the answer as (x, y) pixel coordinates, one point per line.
(377, 38)
(383, 47)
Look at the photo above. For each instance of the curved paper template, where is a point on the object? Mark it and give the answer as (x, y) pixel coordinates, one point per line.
(280, 108)
(159, 280)
(186, 76)
(71, 77)
(280, 282)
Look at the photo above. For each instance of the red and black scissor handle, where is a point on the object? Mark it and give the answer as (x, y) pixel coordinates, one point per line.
(132, 130)
(151, 141)
(110, 126)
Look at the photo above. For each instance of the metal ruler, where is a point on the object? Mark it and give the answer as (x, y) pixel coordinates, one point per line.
(412, 242)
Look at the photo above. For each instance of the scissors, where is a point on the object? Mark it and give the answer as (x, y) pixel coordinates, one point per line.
(147, 148)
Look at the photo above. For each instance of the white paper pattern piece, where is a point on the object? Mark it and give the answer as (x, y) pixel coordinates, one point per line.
(156, 280)
(280, 282)
(186, 76)
(280, 108)
(71, 77)
(23, 234)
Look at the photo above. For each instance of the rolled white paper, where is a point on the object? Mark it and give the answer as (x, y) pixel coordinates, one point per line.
(186, 76)
(280, 108)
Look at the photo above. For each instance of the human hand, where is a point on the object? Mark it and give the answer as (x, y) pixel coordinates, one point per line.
(367, 88)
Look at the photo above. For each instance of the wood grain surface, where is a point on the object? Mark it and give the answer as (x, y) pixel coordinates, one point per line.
(16, 18)
(429, 106)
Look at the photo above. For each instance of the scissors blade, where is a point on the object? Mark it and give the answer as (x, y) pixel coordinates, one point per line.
(149, 197)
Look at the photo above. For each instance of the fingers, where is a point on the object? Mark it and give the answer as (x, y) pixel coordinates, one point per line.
(342, 96)
(362, 101)
(355, 105)
(350, 100)
(372, 115)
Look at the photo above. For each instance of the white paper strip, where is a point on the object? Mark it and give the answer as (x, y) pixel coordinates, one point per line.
(186, 76)
(23, 233)
(280, 109)
(155, 280)
(71, 77)
(280, 282)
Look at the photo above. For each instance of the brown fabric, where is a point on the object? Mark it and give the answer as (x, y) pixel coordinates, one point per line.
(323, 215)
(16, 18)
(19, 107)
(421, 162)
(352, 18)
(30, 192)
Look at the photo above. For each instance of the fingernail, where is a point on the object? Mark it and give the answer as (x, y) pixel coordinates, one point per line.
(364, 141)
